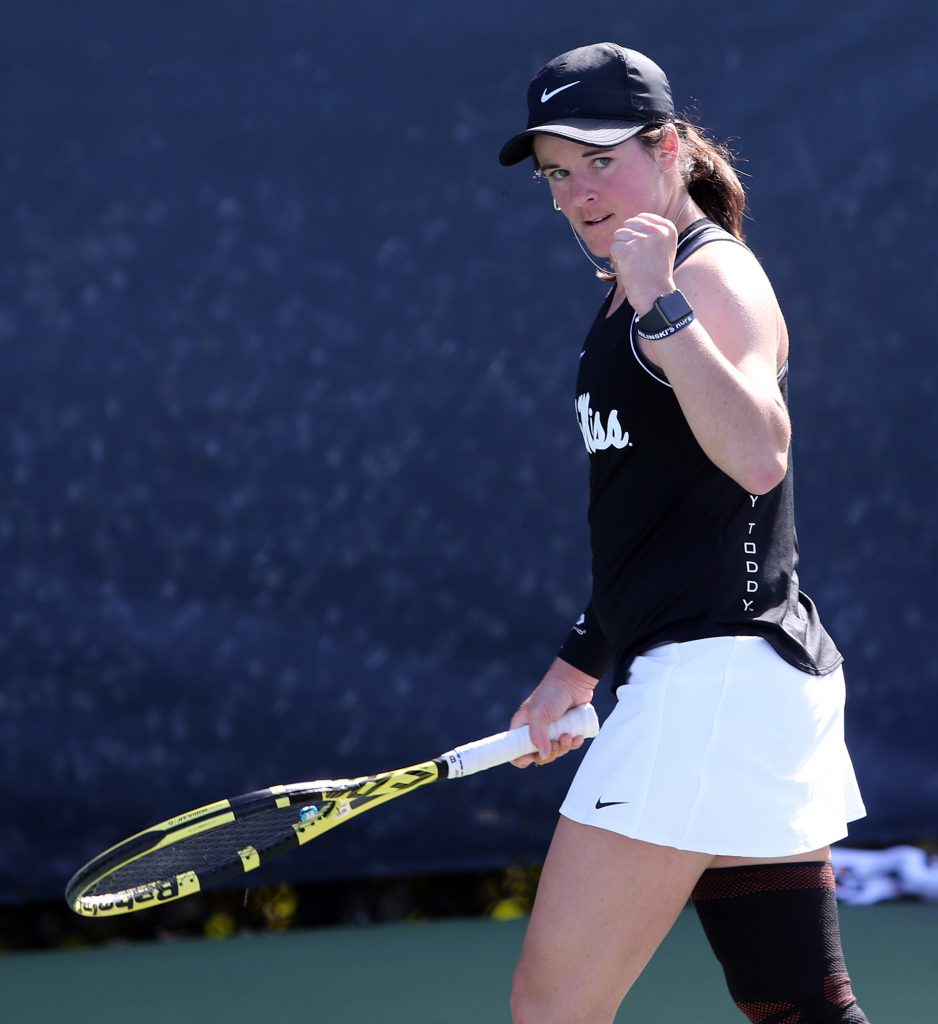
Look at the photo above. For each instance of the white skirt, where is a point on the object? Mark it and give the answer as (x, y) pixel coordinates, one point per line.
(720, 746)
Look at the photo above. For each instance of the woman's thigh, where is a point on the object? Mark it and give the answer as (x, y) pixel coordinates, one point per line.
(604, 903)
(737, 862)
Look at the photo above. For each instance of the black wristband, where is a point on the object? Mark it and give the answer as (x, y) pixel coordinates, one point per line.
(667, 316)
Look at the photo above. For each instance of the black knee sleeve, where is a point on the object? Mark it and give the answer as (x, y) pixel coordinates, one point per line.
(774, 929)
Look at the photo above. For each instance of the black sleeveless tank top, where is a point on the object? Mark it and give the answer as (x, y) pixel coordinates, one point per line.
(680, 550)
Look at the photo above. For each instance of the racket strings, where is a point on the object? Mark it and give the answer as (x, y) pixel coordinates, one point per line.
(209, 854)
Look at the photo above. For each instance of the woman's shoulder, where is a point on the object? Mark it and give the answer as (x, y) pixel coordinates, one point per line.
(727, 284)
(729, 265)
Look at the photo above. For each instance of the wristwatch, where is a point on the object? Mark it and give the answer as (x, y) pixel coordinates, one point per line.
(667, 316)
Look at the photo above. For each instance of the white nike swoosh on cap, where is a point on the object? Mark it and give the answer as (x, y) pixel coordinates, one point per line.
(545, 95)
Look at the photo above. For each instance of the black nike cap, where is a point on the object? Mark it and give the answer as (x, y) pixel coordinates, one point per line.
(600, 95)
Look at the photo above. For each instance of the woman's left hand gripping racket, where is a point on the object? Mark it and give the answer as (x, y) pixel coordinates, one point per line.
(221, 841)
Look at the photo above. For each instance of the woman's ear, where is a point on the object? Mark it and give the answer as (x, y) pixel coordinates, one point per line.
(668, 150)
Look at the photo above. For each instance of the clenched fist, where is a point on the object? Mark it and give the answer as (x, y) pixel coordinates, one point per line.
(642, 253)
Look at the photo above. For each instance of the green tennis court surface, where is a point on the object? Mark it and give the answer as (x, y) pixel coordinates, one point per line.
(451, 972)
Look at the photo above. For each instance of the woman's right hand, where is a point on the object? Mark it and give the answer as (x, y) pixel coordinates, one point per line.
(563, 687)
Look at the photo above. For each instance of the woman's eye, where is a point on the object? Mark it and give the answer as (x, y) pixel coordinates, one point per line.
(557, 174)
(602, 161)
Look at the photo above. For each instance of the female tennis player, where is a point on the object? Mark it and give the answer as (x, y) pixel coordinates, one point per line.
(721, 775)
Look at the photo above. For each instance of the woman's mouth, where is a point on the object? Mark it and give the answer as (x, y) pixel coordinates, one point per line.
(594, 221)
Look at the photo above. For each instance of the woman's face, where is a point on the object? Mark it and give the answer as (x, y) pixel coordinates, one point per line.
(599, 189)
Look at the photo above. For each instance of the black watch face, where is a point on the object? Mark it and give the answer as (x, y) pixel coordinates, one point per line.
(674, 306)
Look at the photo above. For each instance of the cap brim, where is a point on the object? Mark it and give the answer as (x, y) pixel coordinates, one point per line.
(589, 131)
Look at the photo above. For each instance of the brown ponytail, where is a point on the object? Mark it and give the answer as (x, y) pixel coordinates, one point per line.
(707, 169)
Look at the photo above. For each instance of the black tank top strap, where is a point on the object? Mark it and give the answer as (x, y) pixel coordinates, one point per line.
(699, 234)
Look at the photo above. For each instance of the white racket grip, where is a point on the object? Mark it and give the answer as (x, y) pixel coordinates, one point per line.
(506, 746)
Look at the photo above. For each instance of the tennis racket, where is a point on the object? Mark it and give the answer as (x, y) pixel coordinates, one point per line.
(224, 840)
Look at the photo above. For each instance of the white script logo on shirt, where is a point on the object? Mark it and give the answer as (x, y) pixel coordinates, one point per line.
(595, 436)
